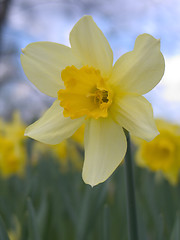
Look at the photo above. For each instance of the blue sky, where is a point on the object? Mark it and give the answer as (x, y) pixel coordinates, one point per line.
(121, 22)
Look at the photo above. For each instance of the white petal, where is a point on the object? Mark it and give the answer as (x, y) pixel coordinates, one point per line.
(105, 147)
(140, 70)
(135, 114)
(53, 127)
(43, 62)
(89, 43)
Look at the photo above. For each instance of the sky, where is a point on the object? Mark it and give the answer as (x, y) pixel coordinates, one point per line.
(121, 22)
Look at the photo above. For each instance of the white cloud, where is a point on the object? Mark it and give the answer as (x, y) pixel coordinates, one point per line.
(171, 79)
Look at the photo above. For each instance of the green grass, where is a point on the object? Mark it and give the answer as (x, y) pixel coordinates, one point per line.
(53, 205)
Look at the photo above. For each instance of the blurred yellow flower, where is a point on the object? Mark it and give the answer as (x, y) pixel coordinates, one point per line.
(12, 149)
(163, 152)
(15, 234)
(91, 91)
(70, 151)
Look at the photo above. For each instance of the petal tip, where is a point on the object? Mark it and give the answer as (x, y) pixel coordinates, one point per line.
(26, 132)
(90, 182)
(83, 19)
(86, 17)
(153, 135)
(23, 50)
(146, 39)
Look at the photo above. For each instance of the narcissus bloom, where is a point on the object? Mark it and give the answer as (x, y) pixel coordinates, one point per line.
(12, 149)
(91, 91)
(162, 154)
(69, 151)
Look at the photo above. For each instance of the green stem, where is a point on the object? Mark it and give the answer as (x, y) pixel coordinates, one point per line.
(131, 201)
(106, 226)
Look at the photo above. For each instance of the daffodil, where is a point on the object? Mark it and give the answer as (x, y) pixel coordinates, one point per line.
(162, 154)
(91, 90)
(12, 149)
(67, 153)
(70, 150)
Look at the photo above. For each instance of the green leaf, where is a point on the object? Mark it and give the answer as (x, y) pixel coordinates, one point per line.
(3, 233)
(32, 222)
(106, 223)
(175, 235)
(42, 214)
(93, 200)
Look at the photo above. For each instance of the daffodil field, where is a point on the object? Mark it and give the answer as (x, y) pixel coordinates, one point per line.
(43, 197)
(97, 164)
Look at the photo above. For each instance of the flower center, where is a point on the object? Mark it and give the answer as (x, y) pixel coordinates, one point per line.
(100, 96)
(86, 93)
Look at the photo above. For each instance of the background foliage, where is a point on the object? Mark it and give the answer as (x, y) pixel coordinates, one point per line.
(48, 203)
